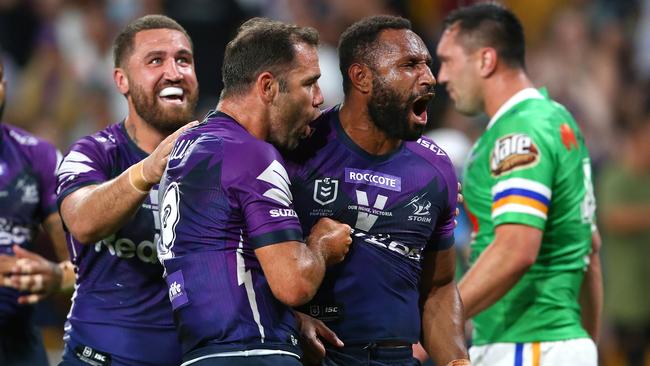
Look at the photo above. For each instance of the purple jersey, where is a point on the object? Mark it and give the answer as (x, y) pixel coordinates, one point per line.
(27, 184)
(120, 304)
(401, 205)
(224, 194)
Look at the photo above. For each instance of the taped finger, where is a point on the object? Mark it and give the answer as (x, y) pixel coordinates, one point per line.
(24, 283)
(24, 265)
(38, 283)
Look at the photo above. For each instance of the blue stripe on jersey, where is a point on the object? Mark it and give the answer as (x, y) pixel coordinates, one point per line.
(522, 192)
(519, 354)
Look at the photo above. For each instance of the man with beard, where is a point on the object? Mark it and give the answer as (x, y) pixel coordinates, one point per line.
(366, 165)
(108, 200)
(231, 242)
(534, 289)
(27, 183)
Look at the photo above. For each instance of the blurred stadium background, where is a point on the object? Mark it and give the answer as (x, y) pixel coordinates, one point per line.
(592, 55)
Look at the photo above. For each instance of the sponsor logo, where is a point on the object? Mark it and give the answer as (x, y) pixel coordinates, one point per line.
(385, 241)
(325, 190)
(125, 248)
(91, 356)
(283, 212)
(326, 312)
(513, 152)
(30, 191)
(420, 208)
(568, 137)
(11, 234)
(371, 178)
(177, 295)
(367, 216)
(104, 140)
(174, 291)
(431, 146)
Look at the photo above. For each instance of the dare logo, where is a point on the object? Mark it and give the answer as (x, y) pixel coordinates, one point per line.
(513, 152)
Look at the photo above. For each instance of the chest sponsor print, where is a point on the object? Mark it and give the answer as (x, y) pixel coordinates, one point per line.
(513, 152)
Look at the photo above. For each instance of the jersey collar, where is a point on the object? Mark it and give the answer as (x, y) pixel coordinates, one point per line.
(520, 96)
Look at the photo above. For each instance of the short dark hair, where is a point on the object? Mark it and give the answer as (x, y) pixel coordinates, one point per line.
(123, 45)
(261, 45)
(492, 25)
(358, 42)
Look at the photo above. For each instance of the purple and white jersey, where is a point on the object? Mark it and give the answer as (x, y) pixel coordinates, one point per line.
(120, 304)
(224, 194)
(27, 183)
(400, 205)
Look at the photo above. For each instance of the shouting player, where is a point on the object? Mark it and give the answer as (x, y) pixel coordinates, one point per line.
(366, 165)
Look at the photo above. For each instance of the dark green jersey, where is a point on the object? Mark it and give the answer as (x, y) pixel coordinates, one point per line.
(531, 167)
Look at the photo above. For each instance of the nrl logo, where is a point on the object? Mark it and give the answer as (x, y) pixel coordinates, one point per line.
(325, 190)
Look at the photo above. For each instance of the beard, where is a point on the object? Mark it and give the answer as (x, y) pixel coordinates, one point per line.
(390, 111)
(164, 120)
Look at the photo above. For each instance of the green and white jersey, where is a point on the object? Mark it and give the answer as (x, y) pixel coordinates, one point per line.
(531, 167)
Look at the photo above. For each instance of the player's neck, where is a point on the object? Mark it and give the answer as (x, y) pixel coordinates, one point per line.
(141, 133)
(243, 110)
(357, 124)
(500, 88)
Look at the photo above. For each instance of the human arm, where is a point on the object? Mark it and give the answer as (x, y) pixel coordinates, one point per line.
(294, 270)
(591, 291)
(502, 264)
(114, 201)
(442, 310)
(30, 272)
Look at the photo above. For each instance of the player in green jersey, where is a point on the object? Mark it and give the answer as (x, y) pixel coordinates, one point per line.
(534, 289)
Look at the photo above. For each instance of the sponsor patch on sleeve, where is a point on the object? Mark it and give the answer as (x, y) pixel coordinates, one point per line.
(513, 152)
(177, 294)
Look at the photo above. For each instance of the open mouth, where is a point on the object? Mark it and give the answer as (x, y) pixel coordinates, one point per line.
(420, 108)
(172, 94)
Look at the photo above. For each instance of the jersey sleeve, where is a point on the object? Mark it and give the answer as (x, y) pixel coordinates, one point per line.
(443, 233)
(259, 182)
(523, 163)
(87, 163)
(45, 166)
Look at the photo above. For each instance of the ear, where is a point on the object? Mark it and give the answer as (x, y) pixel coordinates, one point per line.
(360, 77)
(488, 60)
(266, 86)
(121, 81)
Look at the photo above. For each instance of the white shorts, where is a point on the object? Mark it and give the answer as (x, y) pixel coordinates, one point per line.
(573, 352)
